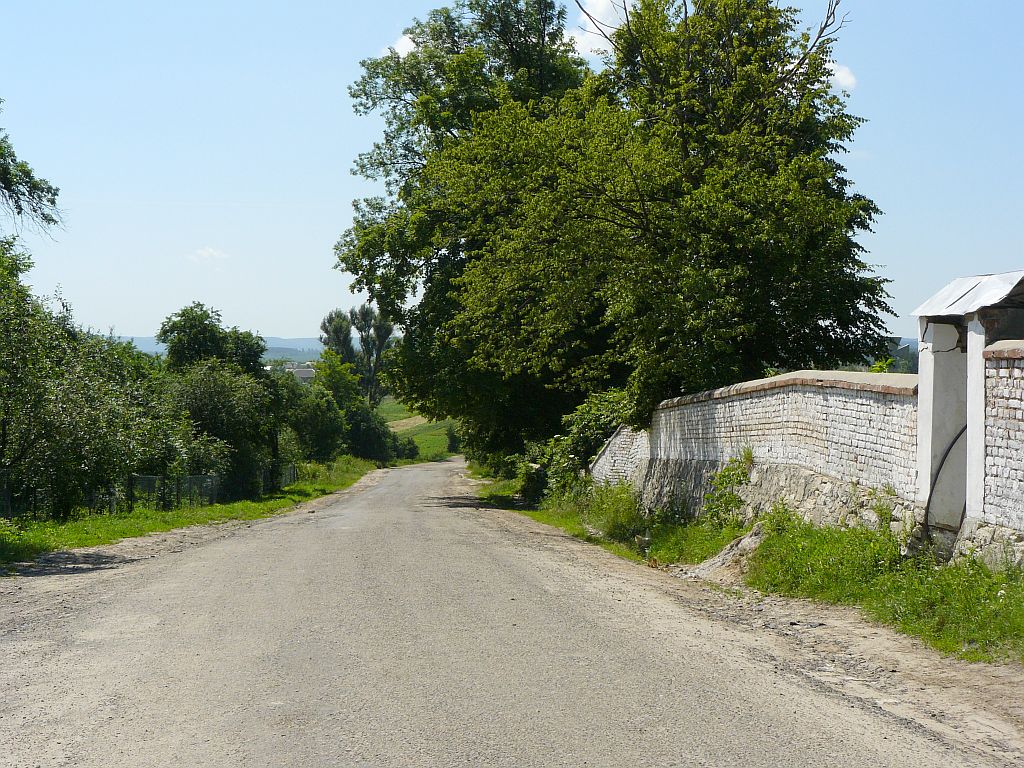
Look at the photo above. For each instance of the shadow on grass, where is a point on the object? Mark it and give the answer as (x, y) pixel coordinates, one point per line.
(504, 501)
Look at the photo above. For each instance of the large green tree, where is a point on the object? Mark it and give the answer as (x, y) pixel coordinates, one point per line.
(196, 333)
(376, 336)
(467, 60)
(336, 334)
(678, 221)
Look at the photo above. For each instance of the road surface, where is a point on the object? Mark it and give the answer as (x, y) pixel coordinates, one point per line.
(399, 624)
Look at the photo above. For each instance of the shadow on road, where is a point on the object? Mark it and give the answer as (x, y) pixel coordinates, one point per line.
(456, 502)
(474, 502)
(70, 563)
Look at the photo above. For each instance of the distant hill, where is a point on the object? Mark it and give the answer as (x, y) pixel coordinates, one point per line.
(278, 348)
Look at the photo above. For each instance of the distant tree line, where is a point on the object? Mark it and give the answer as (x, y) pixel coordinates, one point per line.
(376, 336)
(556, 240)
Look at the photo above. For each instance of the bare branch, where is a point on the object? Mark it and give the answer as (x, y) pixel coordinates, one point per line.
(827, 30)
(599, 26)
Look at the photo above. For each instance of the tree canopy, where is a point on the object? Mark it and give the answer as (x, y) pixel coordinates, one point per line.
(195, 333)
(23, 195)
(676, 221)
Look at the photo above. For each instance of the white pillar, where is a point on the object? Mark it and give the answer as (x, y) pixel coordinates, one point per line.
(975, 418)
(941, 416)
(925, 409)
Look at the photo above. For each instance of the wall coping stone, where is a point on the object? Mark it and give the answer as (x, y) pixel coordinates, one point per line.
(884, 383)
(1012, 349)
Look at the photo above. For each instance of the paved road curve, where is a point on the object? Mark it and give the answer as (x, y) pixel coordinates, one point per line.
(399, 626)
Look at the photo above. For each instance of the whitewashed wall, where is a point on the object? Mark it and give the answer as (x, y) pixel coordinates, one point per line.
(999, 533)
(822, 441)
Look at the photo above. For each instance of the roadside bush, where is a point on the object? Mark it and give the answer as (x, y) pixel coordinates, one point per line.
(533, 481)
(504, 466)
(613, 510)
(587, 428)
(319, 424)
(407, 448)
(369, 436)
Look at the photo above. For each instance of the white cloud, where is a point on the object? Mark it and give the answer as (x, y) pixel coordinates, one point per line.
(586, 33)
(210, 257)
(842, 76)
(401, 46)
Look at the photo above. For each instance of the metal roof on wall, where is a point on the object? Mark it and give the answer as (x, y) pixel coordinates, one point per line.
(969, 294)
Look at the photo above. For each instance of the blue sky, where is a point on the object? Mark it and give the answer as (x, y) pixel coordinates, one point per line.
(203, 148)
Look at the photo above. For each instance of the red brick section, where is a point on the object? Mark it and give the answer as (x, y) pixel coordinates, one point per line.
(884, 383)
(1005, 350)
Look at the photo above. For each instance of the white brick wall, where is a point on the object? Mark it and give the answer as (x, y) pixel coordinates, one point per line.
(621, 458)
(811, 428)
(1004, 443)
(853, 428)
(850, 435)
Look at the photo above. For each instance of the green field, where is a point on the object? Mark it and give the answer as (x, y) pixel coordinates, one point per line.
(392, 410)
(432, 439)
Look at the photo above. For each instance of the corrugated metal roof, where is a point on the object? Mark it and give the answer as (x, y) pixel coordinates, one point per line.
(969, 294)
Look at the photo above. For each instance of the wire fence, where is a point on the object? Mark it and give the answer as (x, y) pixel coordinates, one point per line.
(287, 475)
(168, 493)
(144, 491)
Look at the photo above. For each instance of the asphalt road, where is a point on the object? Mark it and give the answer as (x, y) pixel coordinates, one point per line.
(399, 625)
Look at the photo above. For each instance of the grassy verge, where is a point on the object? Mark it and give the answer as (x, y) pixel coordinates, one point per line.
(27, 539)
(963, 607)
(609, 516)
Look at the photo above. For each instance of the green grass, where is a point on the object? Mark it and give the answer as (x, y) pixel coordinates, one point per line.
(431, 438)
(691, 542)
(604, 515)
(502, 494)
(610, 516)
(580, 517)
(963, 608)
(392, 410)
(25, 540)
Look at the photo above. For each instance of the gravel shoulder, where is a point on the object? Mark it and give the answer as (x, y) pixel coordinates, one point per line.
(402, 623)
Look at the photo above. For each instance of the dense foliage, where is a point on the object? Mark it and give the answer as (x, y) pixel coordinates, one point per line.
(675, 221)
(80, 413)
